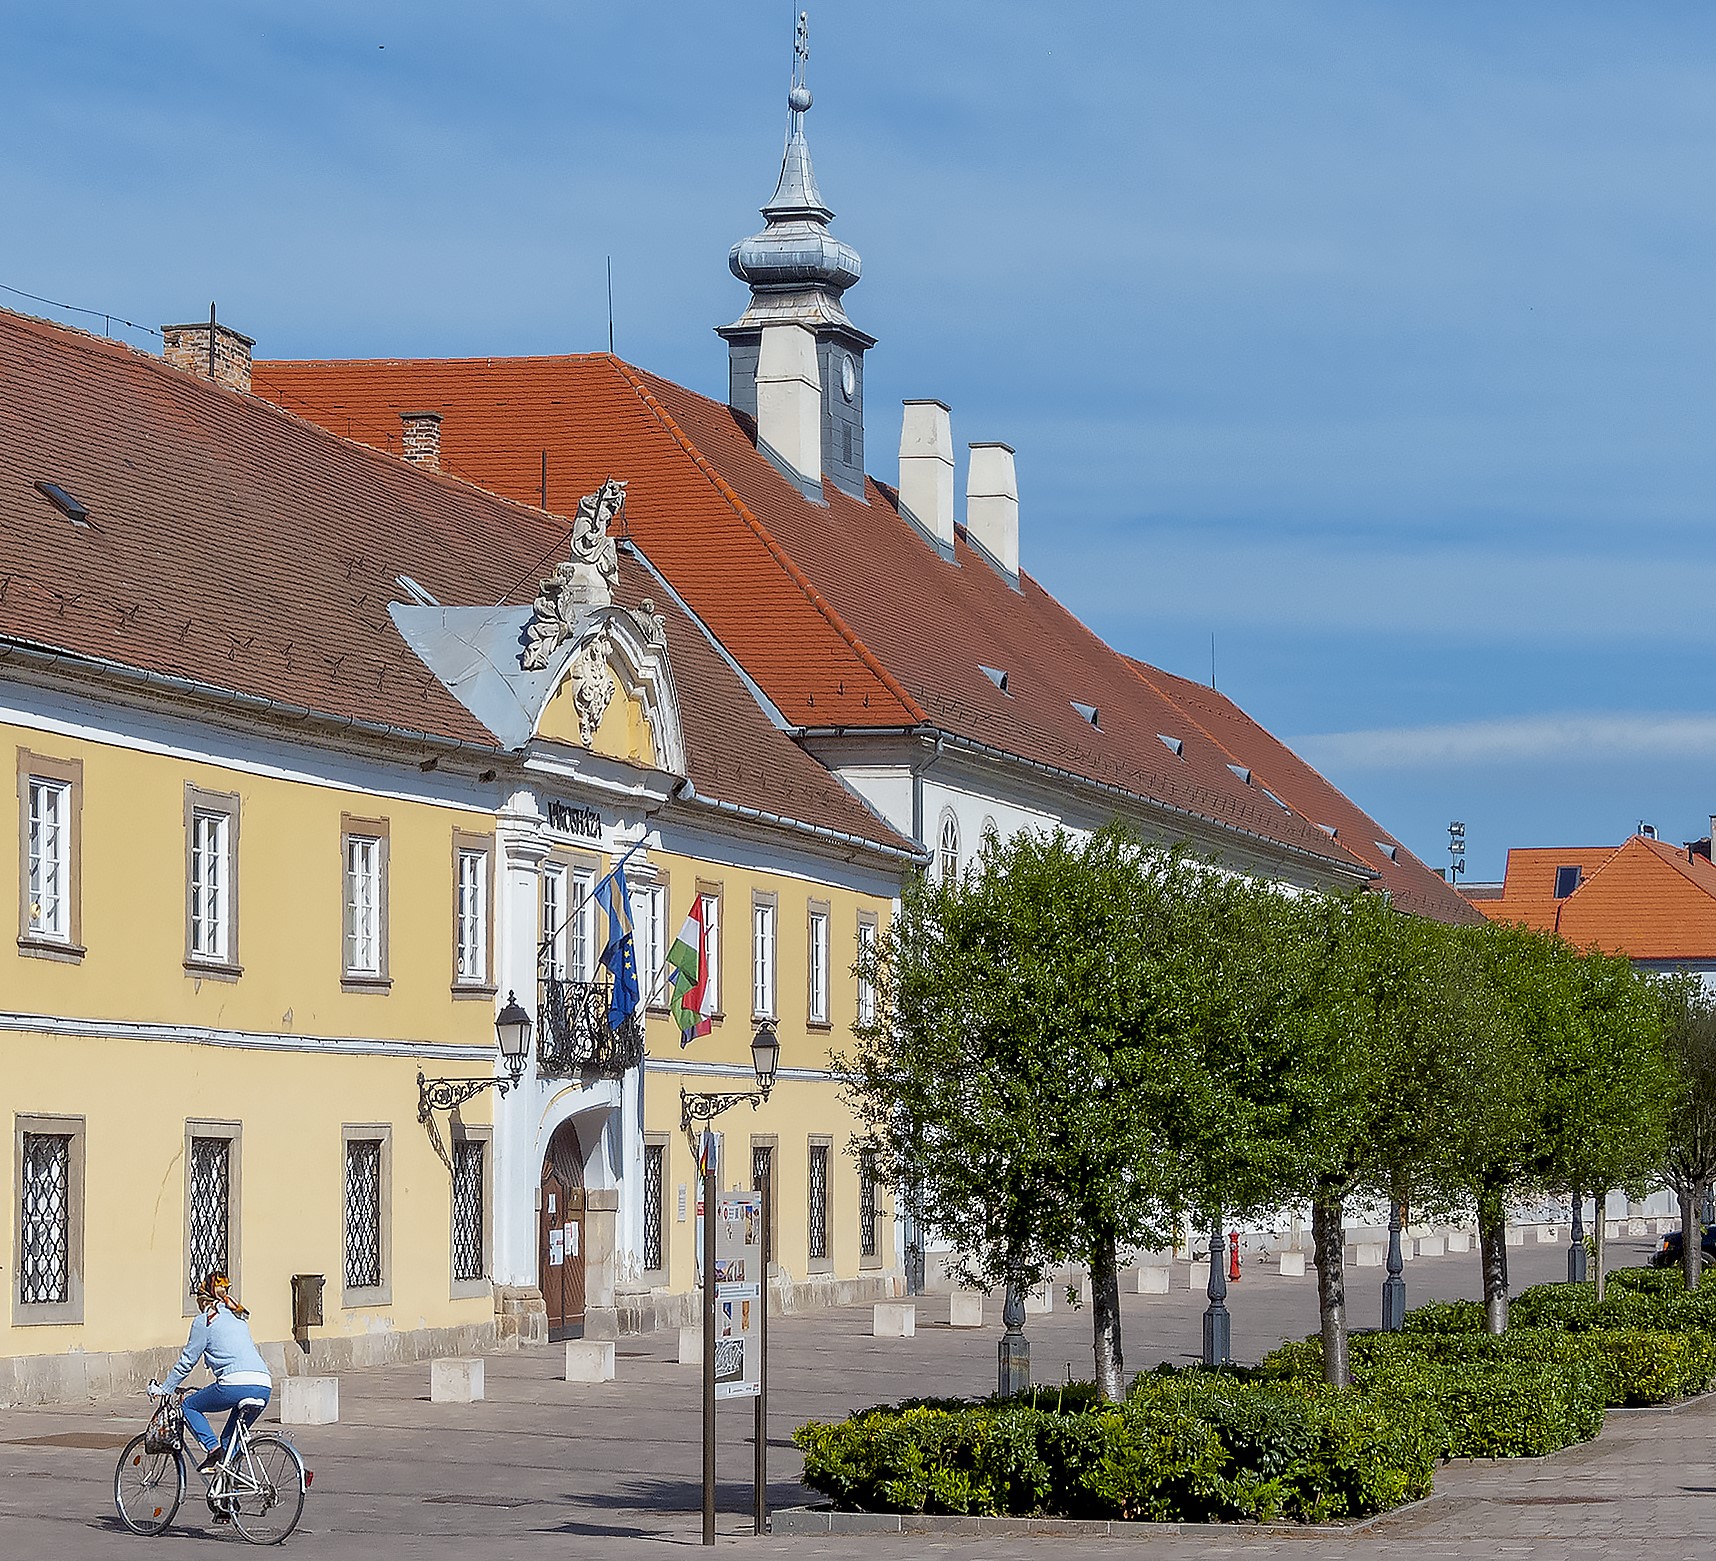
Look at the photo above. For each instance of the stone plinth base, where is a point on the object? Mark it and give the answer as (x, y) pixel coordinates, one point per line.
(1459, 1241)
(893, 1320)
(310, 1401)
(1152, 1280)
(691, 1346)
(589, 1360)
(965, 1309)
(1431, 1246)
(1368, 1254)
(1292, 1265)
(456, 1381)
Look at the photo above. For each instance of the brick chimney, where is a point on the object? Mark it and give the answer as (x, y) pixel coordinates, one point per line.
(422, 438)
(210, 349)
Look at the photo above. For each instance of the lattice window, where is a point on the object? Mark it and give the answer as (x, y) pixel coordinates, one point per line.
(363, 1213)
(44, 1256)
(867, 1203)
(654, 1162)
(209, 1209)
(763, 1179)
(818, 1201)
(468, 1169)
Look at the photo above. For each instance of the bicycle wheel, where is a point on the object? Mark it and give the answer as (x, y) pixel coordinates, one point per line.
(265, 1490)
(148, 1487)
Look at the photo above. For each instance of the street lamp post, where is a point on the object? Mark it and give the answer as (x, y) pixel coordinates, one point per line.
(1218, 1325)
(1394, 1287)
(512, 1036)
(1578, 1259)
(703, 1108)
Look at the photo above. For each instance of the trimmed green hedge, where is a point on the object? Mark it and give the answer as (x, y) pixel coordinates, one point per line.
(1189, 1446)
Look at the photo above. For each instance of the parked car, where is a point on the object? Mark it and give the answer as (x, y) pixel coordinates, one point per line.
(1668, 1254)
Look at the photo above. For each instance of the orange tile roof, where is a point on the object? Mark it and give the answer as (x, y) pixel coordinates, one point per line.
(842, 612)
(1645, 899)
(236, 544)
(1412, 886)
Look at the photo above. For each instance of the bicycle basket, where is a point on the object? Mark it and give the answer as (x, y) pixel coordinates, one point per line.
(165, 1430)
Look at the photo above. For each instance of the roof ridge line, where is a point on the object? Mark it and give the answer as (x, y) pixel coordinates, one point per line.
(775, 551)
(1674, 858)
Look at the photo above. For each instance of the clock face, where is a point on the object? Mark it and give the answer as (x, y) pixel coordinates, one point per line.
(848, 376)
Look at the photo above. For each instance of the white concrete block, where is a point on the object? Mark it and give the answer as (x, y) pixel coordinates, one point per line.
(1292, 1265)
(1548, 1235)
(1638, 1227)
(1459, 1241)
(456, 1381)
(691, 1346)
(1514, 1236)
(589, 1360)
(1666, 1226)
(893, 1320)
(1152, 1280)
(1431, 1246)
(1199, 1276)
(1368, 1254)
(965, 1309)
(1611, 1230)
(310, 1401)
(1041, 1301)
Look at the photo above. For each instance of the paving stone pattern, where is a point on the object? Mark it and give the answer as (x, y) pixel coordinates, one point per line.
(543, 1467)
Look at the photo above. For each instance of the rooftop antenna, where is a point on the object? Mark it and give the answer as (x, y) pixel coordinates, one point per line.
(1456, 851)
(545, 478)
(1212, 659)
(211, 339)
(610, 309)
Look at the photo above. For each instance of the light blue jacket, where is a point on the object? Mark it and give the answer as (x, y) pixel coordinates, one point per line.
(224, 1340)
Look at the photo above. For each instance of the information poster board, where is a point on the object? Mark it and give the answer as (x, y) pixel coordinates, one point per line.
(738, 1294)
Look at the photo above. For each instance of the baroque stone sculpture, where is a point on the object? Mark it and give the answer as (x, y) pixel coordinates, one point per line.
(585, 581)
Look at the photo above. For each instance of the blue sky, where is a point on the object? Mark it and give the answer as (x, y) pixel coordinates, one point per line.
(1375, 340)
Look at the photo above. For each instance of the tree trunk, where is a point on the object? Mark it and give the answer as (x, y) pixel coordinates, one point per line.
(1105, 1310)
(1691, 1237)
(1329, 1233)
(1598, 1236)
(1492, 1247)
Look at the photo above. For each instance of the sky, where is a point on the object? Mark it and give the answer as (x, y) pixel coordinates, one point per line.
(1369, 346)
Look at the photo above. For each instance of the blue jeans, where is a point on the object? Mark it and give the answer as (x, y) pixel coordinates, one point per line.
(216, 1397)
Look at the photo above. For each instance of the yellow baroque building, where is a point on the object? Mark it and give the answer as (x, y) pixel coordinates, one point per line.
(320, 757)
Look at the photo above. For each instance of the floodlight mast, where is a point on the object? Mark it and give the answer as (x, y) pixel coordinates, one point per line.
(1456, 850)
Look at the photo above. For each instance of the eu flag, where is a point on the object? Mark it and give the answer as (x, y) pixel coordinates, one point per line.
(619, 958)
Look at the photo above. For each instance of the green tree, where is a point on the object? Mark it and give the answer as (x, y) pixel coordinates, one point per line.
(1017, 1051)
(1689, 1026)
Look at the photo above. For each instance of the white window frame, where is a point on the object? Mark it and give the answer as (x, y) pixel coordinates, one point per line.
(473, 857)
(947, 847)
(581, 949)
(765, 950)
(866, 1009)
(816, 961)
(211, 882)
(555, 881)
(363, 901)
(710, 900)
(649, 932)
(50, 856)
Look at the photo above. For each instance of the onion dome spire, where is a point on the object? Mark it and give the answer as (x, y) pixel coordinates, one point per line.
(795, 252)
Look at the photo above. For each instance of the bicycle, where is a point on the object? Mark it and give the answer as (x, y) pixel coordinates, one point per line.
(259, 1483)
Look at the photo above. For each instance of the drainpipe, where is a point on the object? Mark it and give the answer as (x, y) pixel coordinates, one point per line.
(920, 770)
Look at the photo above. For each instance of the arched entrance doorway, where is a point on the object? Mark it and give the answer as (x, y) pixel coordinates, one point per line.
(560, 1234)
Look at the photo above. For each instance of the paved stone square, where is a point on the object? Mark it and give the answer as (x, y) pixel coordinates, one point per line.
(547, 1468)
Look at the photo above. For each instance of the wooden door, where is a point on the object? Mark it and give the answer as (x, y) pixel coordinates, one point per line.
(560, 1234)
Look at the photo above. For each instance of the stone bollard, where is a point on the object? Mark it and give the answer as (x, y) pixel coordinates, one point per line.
(1548, 1235)
(1514, 1236)
(456, 1381)
(589, 1360)
(310, 1401)
(691, 1346)
(1431, 1246)
(1292, 1265)
(893, 1320)
(965, 1309)
(1459, 1241)
(1367, 1254)
(1151, 1279)
(1638, 1227)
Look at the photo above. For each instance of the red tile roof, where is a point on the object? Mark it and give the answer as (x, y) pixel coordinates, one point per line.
(843, 613)
(1646, 898)
(1412, 886)
(240, 546)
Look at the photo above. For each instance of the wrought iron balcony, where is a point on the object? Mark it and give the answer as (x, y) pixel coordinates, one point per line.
(573, 1035)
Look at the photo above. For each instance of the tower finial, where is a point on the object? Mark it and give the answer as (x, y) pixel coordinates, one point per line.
(798, 96)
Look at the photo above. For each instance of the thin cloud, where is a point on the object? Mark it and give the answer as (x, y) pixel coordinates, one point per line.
(1529, 739)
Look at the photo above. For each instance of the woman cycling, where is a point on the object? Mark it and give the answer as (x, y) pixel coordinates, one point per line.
(222, 1337)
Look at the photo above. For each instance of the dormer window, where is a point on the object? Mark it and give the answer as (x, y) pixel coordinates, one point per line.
(1174, 745)
(1388, 849)
(1089, 712)
(1566, 881)
(995, 676)
(74, 511)
(1243, 773)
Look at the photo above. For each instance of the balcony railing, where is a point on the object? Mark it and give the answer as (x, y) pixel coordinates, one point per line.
(573, 1036)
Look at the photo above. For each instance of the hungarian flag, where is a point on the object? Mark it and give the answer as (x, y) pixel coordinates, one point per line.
(690, 999)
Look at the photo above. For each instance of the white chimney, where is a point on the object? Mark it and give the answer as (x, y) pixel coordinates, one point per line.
(926, 469)
(789, 402)
(992, 504)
